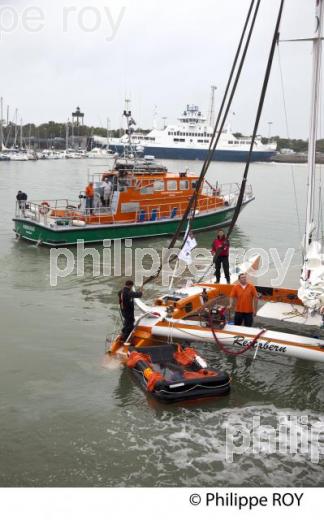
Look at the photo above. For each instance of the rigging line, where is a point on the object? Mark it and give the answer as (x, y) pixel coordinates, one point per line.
(292, 169)
(229, 102)
(258, 116)
(214, 140)
(240, 198)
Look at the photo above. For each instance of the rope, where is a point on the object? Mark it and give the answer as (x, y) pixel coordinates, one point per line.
(257, 120)
(228, 351)
(255, 129)
(191, 208)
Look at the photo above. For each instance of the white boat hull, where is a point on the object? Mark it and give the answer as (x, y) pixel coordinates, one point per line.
(273, 342)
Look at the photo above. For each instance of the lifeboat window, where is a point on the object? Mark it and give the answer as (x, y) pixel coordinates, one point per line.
(148, 190)
(158, 185)
(194, 184)
(172, 185)
(184, 185)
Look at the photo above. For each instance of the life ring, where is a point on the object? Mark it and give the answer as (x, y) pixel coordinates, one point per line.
(44, 207)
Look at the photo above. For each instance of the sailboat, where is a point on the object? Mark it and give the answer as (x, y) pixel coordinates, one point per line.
(194, 313)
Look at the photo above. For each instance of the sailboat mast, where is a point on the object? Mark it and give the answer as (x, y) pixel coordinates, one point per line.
(67, 135)
(107, 133)
(21, 134)
(1, 122)
(315, 99)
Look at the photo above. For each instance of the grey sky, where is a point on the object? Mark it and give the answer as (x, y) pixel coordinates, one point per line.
(162, 53)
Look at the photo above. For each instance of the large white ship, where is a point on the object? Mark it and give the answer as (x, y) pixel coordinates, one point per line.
(190, 140)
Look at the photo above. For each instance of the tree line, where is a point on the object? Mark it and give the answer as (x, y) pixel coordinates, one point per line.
(52, 129)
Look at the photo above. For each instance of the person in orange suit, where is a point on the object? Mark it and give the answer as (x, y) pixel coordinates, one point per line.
(89, 192)
(244, 298)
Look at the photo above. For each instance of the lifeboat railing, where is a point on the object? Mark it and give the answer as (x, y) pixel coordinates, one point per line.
(211, 199)
(40, 211)
(228, 191)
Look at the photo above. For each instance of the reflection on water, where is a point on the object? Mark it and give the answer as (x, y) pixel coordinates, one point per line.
(67, 420)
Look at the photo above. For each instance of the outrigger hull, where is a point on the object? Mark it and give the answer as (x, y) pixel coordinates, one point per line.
(280, 343)
(185, 324)
(69, 235)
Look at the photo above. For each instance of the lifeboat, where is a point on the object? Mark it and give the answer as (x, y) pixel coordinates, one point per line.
(171, 372)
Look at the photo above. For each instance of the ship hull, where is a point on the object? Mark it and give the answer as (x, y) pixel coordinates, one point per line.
(69, 235)
(200, 154)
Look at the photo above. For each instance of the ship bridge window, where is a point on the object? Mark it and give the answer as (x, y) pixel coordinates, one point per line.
(147, 190)
(158, 185)
(172, 185)
(184, 185)
(230, 142)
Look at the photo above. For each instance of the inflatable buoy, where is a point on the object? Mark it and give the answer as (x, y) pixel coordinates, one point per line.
(44, 207)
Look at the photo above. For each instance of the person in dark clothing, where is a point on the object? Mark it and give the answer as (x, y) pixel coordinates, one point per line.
(220, 250)
(21, 198)
(126, 302)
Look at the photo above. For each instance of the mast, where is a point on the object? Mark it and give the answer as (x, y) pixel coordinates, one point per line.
(107, 133)
(130, 127)
(1, 123)
(67, 135)
(16, 127)
(21, 135)
(211, 115)
(72, 134)
(315, 99)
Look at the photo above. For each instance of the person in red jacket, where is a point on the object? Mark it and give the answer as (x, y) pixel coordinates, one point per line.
(220, 250)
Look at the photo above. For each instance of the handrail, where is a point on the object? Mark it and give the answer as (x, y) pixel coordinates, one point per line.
(209, 201)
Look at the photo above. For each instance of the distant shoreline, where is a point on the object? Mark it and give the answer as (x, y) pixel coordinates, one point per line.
(299, 158)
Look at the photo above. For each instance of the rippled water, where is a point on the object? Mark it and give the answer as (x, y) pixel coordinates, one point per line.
(66, 420)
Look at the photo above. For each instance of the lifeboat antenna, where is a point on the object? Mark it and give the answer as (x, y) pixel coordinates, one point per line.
(211, 115)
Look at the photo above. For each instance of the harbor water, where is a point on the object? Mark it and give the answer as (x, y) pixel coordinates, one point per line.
(69, 419)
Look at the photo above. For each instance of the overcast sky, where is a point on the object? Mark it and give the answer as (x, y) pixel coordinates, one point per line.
(159, 53)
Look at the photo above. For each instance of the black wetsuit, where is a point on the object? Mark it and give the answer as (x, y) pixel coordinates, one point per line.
(126, 302)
